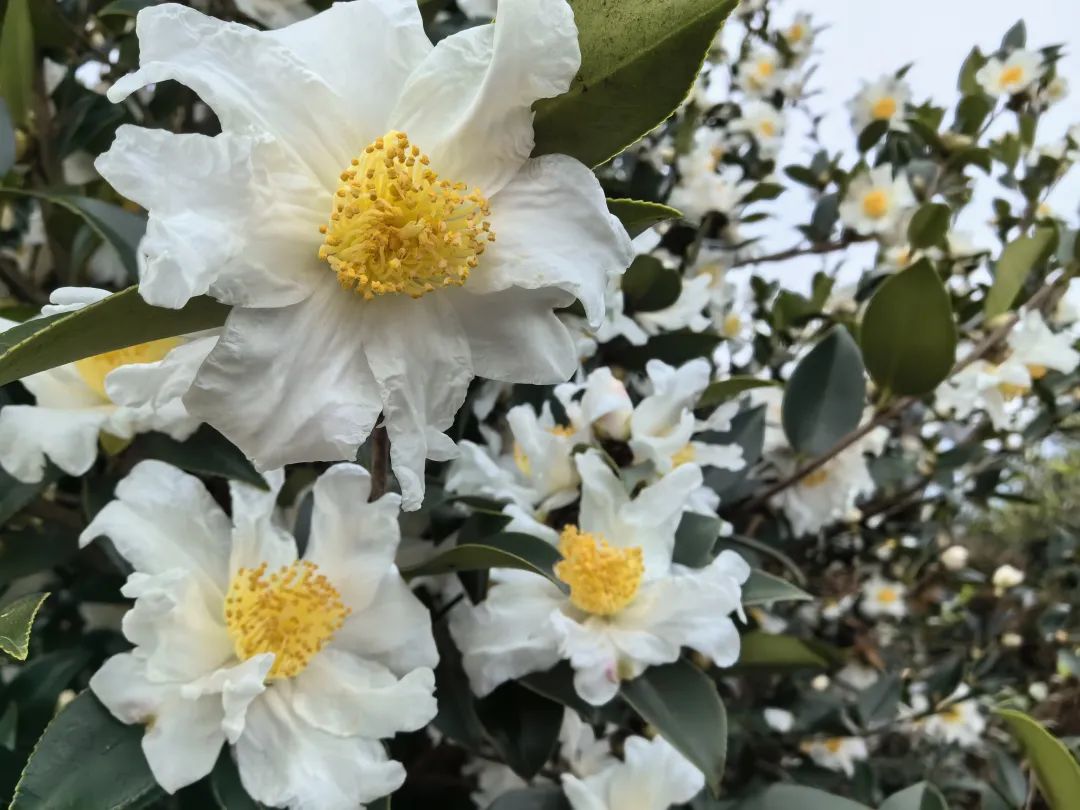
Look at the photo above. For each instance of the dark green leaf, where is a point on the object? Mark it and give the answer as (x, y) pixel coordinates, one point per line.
(922, 796)
(763, 191)
(123, 319)
(966, 82)
(653, 60)
(823, 220)
(929, 225)
(825, 395)
(36, 547)
(509, 550)
(16, 619)
(522, 725)
(695, 539)
(548, 797)
(7, 139)
(674, 348)
(902, 359)
(206, 452)
(787, 797)
(971, 112)
(871, 134)
(748, 432)
(1056, 770)
(681, 702)
(761, 650)
(1017, 261)
(764, 589)
(225, 784)
(637, 216)
(14, 494)
(17, 61)
(877, 703)
(1015, 37)
(557, 684)
(648, 286)
(87, 758)
(723, 390)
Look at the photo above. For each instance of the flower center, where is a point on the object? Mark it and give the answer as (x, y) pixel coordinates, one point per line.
(833, 745)
(291, 613)
(795, 33)
(767, 128)
(396, 227)
(95, 369)
(1011, 76)
(684, 455)
(884, 108)
(951, 714)
(732, 325)
(765, 68)
(816, 478)
(1037, 371)
(887, 595)
(603, 580)
(876, 203)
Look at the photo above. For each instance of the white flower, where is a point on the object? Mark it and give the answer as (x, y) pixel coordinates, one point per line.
(836, 753)
(881, 597)
(478, 9)
(403, 297)
(799, 35)
(1039, 349)
(1006, 577)
(653, 776)
(118, 394)
(626, 606)
(605, 405)
(1011, 75)
(882, 100)
(762, 72)
(961, 722)
(955, 558)
(780, 720)
(301, 665)
(875, 201)
(275, 13)
(701, 190)
(764, 123)
(858, 676)
(616, 322)
(687, 312)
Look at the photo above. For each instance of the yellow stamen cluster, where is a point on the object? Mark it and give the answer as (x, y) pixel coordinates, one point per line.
(1011, 76)
(876, 203)
(816, 478)
(396, 227)
(888, 596)
(603, 579)
(684, 455)
(291, 613)
(884, 108)
(95, 369)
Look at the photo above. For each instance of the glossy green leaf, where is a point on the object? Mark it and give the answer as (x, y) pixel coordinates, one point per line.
(929, 225)
(1056, 770)
(787, 797)
(87, 758)
(508, 550)
(922, 796)
(547, 797)
(1017, 261)
(7, 139)
(14, 494)
(723, 390)
(825, 396)
(877, 703)
(127, 8)
(761, 650)
(637, 216)
(34, 548)
(909, 332)
(225, 784)
(681, 702)
(522, 725)
(653, 60)
(695, 539)
(871, 134)
(648, 286)
(674, 348)
(206, 452)
(16, 619)
(764, 589)
(17, 61)
(122, 319)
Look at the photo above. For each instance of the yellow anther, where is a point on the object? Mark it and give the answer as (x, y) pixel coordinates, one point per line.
(1011, 76)
(884, 108)
(816, 478)
(876, 203)
(684, 455)
(603, 579)
(95, 369)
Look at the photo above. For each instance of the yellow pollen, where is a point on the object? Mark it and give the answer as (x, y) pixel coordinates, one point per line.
(291, 613)
(795, 33)
(603, 579)
(1011, 76)
(522, 460)
(732, 325)
(816, 478)
(767, 128)
(1012, 390)
(833, 744)
(888, 595)
(395, 227)
(951, 714)
(884, 108)
(1037, 371)
(765, 68)
(683, 455)
(95, 369)
(876, 203)
(561, 430)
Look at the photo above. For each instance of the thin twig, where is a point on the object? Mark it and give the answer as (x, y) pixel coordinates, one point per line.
(20, 286)
(797, 250)
(380, 462)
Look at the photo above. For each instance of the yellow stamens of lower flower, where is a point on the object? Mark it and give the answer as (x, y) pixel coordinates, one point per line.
(603, 579)
(816, 478)
(951, 714)
(291, 613)
(1037, 371)
(767, 129)
(833, 744)
(396, 227)
(888, 596)
(876, 203)
(732, 325)
(522, 460)
(684, 455)
(95, 369)
(1013, 390)
(884, 108)
(1011, 76)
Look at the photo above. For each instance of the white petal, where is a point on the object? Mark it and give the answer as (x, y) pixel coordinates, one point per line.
(164, 519)
(553, 229)
(122, 687)
(469, 105)
(69, 438)
(590, 648)
(283, 760)
(257, 537)
(237, 687)
(654, 774)
(156, 384)
(579, 794)
(291, 384)
(394, 629)
(345, 695)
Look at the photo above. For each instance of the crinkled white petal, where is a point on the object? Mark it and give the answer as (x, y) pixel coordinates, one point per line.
(237, 686)
(257, 535)
(160, 383)
(69, 438)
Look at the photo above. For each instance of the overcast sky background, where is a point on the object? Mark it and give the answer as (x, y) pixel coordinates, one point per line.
(868, 38)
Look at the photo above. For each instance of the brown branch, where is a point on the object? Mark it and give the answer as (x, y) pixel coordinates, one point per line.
(20, 286)
(380, 462)
(809, 250)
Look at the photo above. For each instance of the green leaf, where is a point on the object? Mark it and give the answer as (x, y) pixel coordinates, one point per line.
(508, 550)
(87, 758)
(877, 703)
(825, 395)
(127, 8)
(922, 796)
(1056, 770)
(206, 452)
(16, 618)
(648, 286)
(764, 589)
(547, 797)
(674, 348)
(17, 61)
(966, 82)
(225, 784)
(15, 495)
(637, 216)
(786, 797)
(763, 191)
(871, 134)
(36, 547)
(971, 112)
(522, 725)
(929, 225)
(695, 539)
(681, 702)
(1015, 37)
(7, 139)
(777, 651)
(723, 390)
(901, 358)
(653, 60)
(823, 220)
(123, 319)
(1017, 261)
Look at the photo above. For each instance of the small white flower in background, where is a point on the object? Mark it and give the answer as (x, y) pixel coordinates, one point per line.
(626, 606)
(876, 201)
(301, 665)
(779, 720)
(799, 35)
(882, 100)
(652, 776)
(836, 753)
(1006, 577)
(371, 272)
(1013, 74)
(881, 597)
(1039, 349)
(762, 122)
(1057, 89)
(604, 406)
(762, 72)
(687, 312)
(959, 722)
(117, 394)
(275, 13)
(955, 558)
(858, 676)
(701, 191)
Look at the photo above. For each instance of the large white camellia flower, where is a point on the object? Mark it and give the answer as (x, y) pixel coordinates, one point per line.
(372, 213)
(883, 100)
(275, 13)
(302, 665)
(626, 605)
(117, 394)
(876, 201)
(1012, 74)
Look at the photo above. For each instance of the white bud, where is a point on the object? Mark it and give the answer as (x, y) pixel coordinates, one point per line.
(1011, 640)
(1007, 576)
(955, 558)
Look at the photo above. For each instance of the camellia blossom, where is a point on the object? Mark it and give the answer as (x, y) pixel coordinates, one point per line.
(301, 665)
(625, 605)
(764, 123)
(836, 753)
(875, 201)
(882, 100)
(881, 597)
(106, 397)
(372, 213)
(1011, 75)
